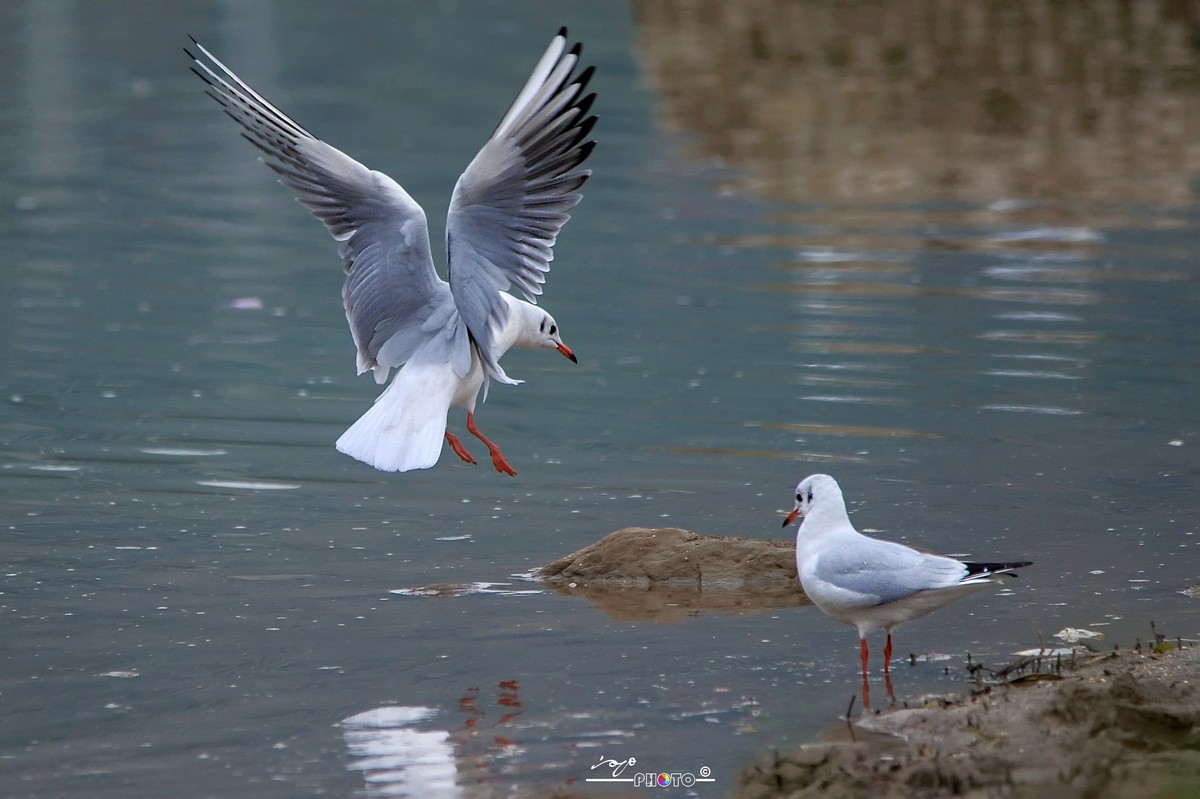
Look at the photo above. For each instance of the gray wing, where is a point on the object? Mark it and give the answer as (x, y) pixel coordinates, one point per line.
(886, 570)
(394, 300)
(515, 196)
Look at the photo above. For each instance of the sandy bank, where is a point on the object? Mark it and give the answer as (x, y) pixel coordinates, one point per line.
(664, 574)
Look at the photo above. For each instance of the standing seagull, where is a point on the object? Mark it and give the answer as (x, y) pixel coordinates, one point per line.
(867, 582)
(505, 214)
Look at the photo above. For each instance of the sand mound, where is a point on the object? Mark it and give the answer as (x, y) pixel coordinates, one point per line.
(665, 574)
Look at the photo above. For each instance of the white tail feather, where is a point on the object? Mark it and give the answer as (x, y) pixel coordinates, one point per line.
(403, 430)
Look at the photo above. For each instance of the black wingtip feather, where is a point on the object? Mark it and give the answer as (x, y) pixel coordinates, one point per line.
(577, 49)
(585, 128)
(998, 568)
(585, 76)
(200, 74)
(585, 105)
(563, 31)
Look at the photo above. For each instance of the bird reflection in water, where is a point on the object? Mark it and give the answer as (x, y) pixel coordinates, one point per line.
(866, 691)
(399, 760)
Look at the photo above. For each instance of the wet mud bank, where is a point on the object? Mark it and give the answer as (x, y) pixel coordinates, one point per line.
(1125, 724)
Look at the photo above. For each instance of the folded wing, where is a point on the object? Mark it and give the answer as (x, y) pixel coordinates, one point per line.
(395, 302)
(885, 571)
(515, 196)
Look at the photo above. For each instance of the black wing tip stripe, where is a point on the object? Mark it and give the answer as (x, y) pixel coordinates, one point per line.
(582, 80)
(201, 75)
(996, 568)
(585, 105)
(251, 110)
(587, 126)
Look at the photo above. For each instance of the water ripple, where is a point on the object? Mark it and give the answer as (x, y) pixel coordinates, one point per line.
(850, 399)
(763, 453)
(1041, 272)
(1042, 409)
(1030, 374)
(1058, 235)
(1044, 296)
(821, 429)
(1042, 336)
(464, 589)
(249, 485)
(1038, 316)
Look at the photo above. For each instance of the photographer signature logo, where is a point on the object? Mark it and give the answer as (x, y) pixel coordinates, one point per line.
(624, 771)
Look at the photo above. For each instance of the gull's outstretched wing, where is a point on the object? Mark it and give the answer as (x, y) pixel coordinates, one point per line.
(516, 195)
(394, 300)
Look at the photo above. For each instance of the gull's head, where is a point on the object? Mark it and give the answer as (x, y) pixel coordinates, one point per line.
(813, 490)
(547, 336)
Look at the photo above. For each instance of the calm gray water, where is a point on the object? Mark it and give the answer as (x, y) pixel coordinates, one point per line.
(964, 283)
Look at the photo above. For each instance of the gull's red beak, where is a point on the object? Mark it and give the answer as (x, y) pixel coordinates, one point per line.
(565, 351)
(791, 517)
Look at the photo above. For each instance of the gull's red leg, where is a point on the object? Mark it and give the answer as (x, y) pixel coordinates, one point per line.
(458, 448)
(863, 650)
(887, 655)
(498, 459)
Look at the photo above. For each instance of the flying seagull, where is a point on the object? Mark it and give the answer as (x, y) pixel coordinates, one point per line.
(445, 338)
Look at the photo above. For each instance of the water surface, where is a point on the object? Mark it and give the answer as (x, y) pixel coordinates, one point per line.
(854, 250)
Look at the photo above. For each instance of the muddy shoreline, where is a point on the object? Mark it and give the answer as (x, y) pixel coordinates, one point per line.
(1122, 724)
(1126, 724)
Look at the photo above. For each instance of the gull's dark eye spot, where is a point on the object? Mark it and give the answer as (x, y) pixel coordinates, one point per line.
(553, 329)
(799, 497)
